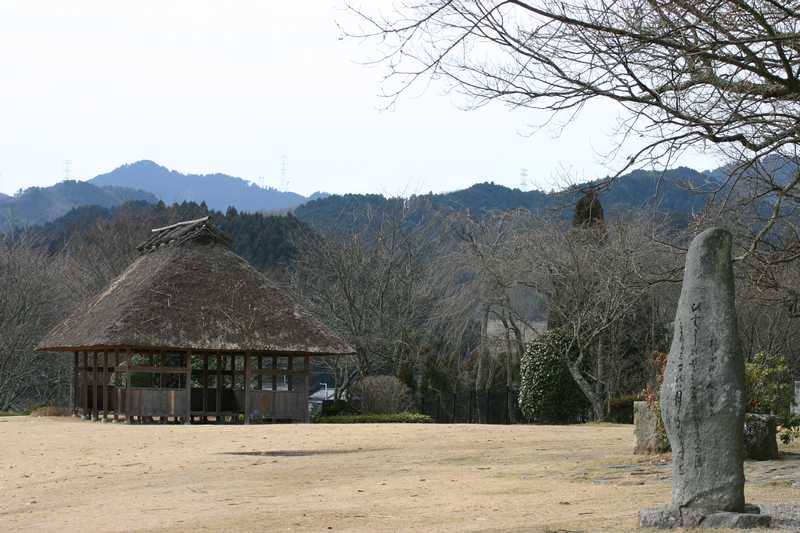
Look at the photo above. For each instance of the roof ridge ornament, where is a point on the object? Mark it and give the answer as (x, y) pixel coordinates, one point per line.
(199, 229)
(177, 224)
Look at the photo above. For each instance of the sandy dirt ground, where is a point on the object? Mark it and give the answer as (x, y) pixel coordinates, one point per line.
(61, 474)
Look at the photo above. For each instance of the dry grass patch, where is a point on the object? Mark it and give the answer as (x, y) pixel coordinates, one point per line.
(61, 474)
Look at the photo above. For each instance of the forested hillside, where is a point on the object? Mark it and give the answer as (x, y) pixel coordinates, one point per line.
(38, 205)
(675, 192)
(266, 241)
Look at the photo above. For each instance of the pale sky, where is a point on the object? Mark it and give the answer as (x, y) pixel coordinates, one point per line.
(213, 86)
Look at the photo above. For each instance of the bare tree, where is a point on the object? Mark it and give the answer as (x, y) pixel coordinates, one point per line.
(597, 285)
(605, 287)
(484, 287)
(689, 73)
(371, 285)
(33, 296)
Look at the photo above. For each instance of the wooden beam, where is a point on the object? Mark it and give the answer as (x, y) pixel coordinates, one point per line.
(159, 370)
(274, 372)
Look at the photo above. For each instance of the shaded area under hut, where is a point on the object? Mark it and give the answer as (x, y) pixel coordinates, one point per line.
(191, 332)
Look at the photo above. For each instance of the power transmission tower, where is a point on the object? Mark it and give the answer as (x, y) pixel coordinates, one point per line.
(67, 169)
(284, 173)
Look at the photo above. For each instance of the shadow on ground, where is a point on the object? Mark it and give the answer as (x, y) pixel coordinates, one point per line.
(301, 453)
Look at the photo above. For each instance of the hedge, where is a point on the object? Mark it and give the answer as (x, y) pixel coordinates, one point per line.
(396, 418)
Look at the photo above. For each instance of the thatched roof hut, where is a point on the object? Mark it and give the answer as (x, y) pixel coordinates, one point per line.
(188, 293)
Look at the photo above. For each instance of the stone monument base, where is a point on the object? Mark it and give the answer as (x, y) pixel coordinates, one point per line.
(689, 517)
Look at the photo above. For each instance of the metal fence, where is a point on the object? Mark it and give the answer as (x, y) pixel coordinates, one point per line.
(472, 407)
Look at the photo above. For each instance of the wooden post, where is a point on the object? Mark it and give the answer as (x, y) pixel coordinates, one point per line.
(205, 387)
(116, 394)
(260, 377)
(105, 386)
(307, 368)
(128, 374)
(289, 380)
(274, 385)
(219, 389)
(95, 389)
(74, 392)
(85, 387)
(188, 388)
(247, 377)
(274, 374)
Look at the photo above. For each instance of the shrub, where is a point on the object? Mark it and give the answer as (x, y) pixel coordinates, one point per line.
(548, 393)
(790, 429)
(382, 395)
(374, 418)
(337, 407)
(769, 386)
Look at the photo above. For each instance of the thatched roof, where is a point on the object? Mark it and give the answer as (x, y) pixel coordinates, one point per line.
(188, 291)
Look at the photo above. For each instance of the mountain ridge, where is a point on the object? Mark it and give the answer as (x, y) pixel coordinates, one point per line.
(669, 191)
(219, 191)
(39, 205)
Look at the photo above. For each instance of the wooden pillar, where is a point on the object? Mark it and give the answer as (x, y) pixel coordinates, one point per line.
(247, 377)
(74, 391)
(85, 387)
(289, 368)
(260, 377)
(116, 394)
(307, 368)
(188, 388)
(95, 388)
(274, 374)
(205, 387)
(128, 361)
(105, 386)
(219, 389)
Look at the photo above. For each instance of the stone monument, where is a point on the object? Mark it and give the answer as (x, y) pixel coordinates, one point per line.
(702, 398)
(796, 405)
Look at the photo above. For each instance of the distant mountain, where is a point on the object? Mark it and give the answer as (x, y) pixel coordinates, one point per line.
(319, 195)
(218, 191)
(38, 205)
(778, 166)
(4, 197)
(672, 192)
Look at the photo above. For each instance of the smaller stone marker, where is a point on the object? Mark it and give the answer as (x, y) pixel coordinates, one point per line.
(796, 406)
(760, 437)
(702, 398)
(647, 439)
